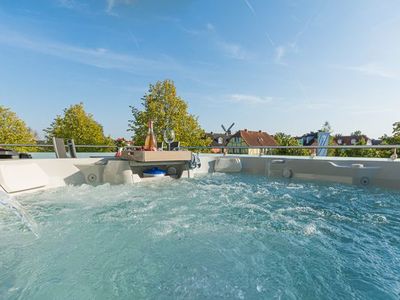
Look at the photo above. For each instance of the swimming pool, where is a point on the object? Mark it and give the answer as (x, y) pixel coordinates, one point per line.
(215, 236)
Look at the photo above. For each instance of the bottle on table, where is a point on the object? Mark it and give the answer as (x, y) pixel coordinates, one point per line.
(150, 143)
(119, 152)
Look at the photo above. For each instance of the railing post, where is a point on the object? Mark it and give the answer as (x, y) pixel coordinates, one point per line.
(394, 155)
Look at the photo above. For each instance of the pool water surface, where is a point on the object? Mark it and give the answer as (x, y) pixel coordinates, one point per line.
(213, 237)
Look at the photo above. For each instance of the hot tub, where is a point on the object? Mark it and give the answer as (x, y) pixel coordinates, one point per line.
(215, 236)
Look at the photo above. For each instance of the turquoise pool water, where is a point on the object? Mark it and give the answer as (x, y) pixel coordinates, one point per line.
(213, 237)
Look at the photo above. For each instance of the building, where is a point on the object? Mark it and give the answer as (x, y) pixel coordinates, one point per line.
(218, 140)
(308, 139)
(352, 139)
(246, 138)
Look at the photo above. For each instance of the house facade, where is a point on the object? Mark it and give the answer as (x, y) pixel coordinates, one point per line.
(352, 139)
(308, 139)
(246, 138)
(218, 140)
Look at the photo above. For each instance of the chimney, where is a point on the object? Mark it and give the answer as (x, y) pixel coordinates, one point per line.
(245, 130)
(259, 131)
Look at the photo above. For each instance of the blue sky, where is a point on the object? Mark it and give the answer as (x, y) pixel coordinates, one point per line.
(272, 65)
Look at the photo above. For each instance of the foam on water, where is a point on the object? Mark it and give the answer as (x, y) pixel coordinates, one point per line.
(217, 236)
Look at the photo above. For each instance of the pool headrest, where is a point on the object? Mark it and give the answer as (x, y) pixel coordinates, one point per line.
(228, 165)
(20, 177)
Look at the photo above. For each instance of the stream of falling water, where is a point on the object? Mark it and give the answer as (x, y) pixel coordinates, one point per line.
(15, 207)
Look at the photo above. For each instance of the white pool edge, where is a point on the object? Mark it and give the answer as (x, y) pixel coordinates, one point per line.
(30, 175)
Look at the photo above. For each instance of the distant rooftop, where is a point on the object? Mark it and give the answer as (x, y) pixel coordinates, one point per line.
(256, 138)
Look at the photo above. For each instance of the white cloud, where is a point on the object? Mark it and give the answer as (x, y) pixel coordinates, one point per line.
(249, 99)
(250, 6)
(228, 49)
(195, 32)
(280, 53)
(291, 47)
(270, 40)
(371, 69)
(97, 57)
(71, 4)
(232, 50)
(210, 26)
(112, 3)
(67, 3)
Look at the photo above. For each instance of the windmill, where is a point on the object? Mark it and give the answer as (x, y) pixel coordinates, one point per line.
(228, 131)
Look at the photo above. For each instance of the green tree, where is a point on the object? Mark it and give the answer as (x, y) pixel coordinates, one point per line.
(395, 139)
(359, 152)
(13, 130)
(283, 139)
(337, 151)
(326, 127)
(396, 130)
(78, 125)
(356, 133)
(391, 140)
(166, 109)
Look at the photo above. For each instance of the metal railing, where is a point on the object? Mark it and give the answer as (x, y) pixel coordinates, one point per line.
(312, 149)
(52, 146)
(297, 147)
(224, 149)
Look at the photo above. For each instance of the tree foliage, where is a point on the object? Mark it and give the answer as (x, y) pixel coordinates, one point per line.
(358, 152)
(166, 109)
(13, 130)
(396, 133)
(356, 133)
(326, 127)
(396, 129)
(78, 125)
(391, 140)
(283, 139)
(395, 139)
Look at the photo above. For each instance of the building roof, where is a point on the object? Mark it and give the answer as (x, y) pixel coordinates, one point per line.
(256, 138)
(347, 139)
(309, 139)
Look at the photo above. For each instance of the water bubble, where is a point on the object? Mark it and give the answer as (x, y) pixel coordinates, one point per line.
(310, 229)
(379, 218)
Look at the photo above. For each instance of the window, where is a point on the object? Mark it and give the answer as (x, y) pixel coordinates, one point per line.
(339, 141)
(353, 141)
(220, 140)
